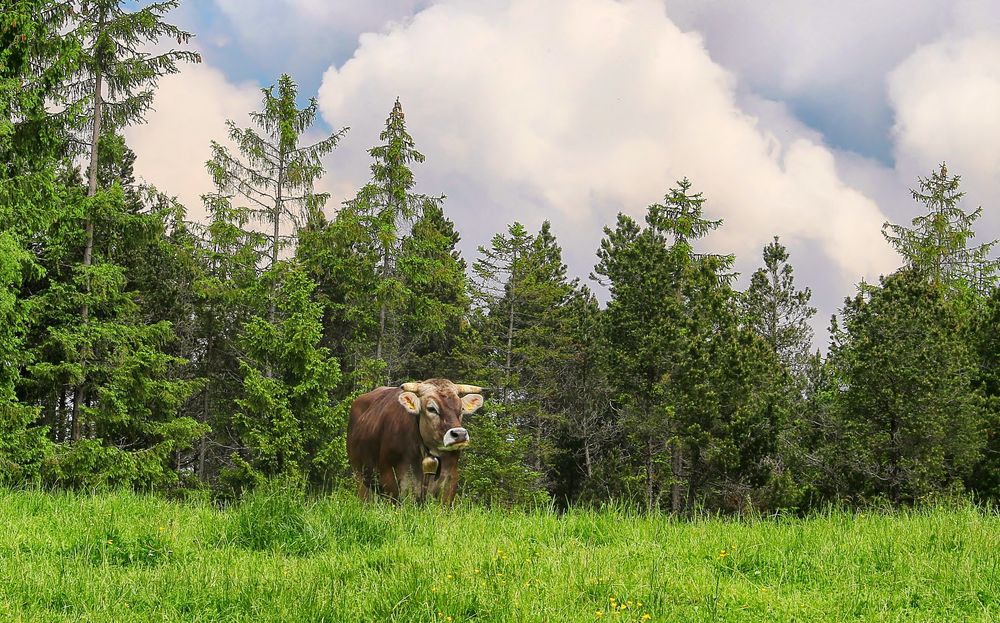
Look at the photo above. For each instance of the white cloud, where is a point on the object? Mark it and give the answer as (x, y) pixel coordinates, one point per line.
(574, 110)
(190, 110)
(946, 96)
(799, 47)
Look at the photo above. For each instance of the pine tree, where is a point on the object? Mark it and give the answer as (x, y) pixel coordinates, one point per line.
(908, 409)
(985, 479)
(685, 373)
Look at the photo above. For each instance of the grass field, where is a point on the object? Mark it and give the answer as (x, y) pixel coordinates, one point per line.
(126, 557)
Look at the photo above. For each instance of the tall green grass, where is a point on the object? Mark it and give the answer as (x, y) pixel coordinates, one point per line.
(128, 557)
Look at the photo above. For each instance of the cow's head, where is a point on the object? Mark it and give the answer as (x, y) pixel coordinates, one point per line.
(439, 406)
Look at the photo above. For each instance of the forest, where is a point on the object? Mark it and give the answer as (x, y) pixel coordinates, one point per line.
(146, 350)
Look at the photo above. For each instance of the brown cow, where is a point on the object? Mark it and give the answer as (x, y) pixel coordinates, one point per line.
(396, 434)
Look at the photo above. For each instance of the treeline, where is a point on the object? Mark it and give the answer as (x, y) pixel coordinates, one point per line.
(138, 348)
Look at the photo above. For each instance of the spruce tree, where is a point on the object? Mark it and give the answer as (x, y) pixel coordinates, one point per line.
(272, 172)
(113, 87)
(985, 479)
(32, 59)
(284, 416)
(269, 319)
(523, 289)
(585, 465)
(339, 257)
(500, 294)
(227, 256)
(436, 307)
(779, 312)
(937, 244)
(386, 207)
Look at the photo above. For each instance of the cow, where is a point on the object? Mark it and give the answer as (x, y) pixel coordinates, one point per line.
(406, 441)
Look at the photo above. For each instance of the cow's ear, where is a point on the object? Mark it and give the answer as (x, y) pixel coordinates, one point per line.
(471, 403)
(410, 402)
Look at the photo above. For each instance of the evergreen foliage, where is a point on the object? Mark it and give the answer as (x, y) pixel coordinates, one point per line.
(907, 432)
(938, 241)
(985, 478)
(276, 418)
(778, 312)
(140, 349)
(272, 172)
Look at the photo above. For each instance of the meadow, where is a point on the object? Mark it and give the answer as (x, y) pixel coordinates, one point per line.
(129, 557)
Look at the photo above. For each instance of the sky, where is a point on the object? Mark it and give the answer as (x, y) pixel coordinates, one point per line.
(804, 120)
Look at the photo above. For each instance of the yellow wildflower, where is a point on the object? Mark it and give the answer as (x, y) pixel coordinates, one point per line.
(645, 616)
(599, 614)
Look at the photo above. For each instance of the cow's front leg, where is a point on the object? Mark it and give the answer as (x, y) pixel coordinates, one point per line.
(447, 486)
(364, 491)
(389, 483)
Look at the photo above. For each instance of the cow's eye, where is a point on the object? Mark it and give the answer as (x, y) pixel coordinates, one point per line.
(432, 409)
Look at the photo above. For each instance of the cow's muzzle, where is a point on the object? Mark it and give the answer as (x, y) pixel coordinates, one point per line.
(456, 438)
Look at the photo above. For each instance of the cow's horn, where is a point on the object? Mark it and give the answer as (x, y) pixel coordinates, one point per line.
(468, 389)
(410, 387)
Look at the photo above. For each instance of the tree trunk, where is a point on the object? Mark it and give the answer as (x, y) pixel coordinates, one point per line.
(510, 338)
(383, 314)
(79, 392)
(538, 442)
(676, 463)
(276, 218)
(203, 444)
(773, 315)
(381, 331)
(894, 460)
(61, 421)
(649, 475)
(587, 461)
